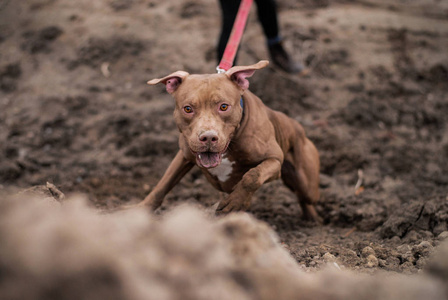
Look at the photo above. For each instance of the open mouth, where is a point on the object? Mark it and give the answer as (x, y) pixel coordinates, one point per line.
(208, 159)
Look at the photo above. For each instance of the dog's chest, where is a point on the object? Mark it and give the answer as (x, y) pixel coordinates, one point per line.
(223, 171)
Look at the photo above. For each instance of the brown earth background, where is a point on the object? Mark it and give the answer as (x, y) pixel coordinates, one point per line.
(75, 111)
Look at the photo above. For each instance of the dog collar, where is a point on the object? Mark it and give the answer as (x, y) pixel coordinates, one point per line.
(242, 106)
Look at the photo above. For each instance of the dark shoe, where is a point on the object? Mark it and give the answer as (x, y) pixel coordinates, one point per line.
(282, 60)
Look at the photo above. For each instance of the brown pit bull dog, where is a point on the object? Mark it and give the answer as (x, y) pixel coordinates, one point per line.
(236, 141)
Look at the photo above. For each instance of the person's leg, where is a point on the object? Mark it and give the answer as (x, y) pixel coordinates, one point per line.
(229, 10)
(267, 13)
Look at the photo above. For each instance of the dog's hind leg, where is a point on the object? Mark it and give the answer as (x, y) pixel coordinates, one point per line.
(300, 173)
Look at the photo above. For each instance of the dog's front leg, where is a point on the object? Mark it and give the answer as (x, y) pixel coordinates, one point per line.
(240, 198)
(176, 170)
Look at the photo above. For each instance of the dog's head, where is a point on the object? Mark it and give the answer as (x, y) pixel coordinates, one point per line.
(208, 109)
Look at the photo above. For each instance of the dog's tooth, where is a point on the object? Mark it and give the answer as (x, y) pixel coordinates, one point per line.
(199, 156)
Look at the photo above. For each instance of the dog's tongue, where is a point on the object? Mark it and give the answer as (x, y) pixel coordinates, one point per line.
(209, 159)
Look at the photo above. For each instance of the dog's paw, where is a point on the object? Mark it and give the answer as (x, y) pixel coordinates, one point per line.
(236, 201)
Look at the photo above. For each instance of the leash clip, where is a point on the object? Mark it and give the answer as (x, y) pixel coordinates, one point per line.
(220, 70)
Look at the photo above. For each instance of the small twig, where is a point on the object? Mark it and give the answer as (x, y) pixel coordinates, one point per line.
(358, 187)
(55, 192)
(349, 232)
(337, 266)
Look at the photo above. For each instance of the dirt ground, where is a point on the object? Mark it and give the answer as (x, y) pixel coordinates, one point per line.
(75, 111)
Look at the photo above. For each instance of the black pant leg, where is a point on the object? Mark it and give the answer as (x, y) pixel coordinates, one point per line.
(267, 14)
(229, 9)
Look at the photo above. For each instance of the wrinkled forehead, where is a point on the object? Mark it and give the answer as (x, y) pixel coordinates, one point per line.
(215, 87)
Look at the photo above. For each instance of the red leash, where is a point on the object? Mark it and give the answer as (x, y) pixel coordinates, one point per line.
(235, 37)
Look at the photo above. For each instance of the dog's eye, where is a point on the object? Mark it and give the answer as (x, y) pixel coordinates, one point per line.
(224, 107)
(188, 109)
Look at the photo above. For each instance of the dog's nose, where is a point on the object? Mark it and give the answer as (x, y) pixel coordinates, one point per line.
(209, 137)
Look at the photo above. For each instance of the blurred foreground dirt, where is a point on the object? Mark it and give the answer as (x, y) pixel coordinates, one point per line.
(69, 251)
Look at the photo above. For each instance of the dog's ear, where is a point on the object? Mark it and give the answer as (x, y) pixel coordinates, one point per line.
(240, 73)
(171, 81)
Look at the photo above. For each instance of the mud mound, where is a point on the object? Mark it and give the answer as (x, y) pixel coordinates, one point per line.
(430, 216)
(72, 252)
